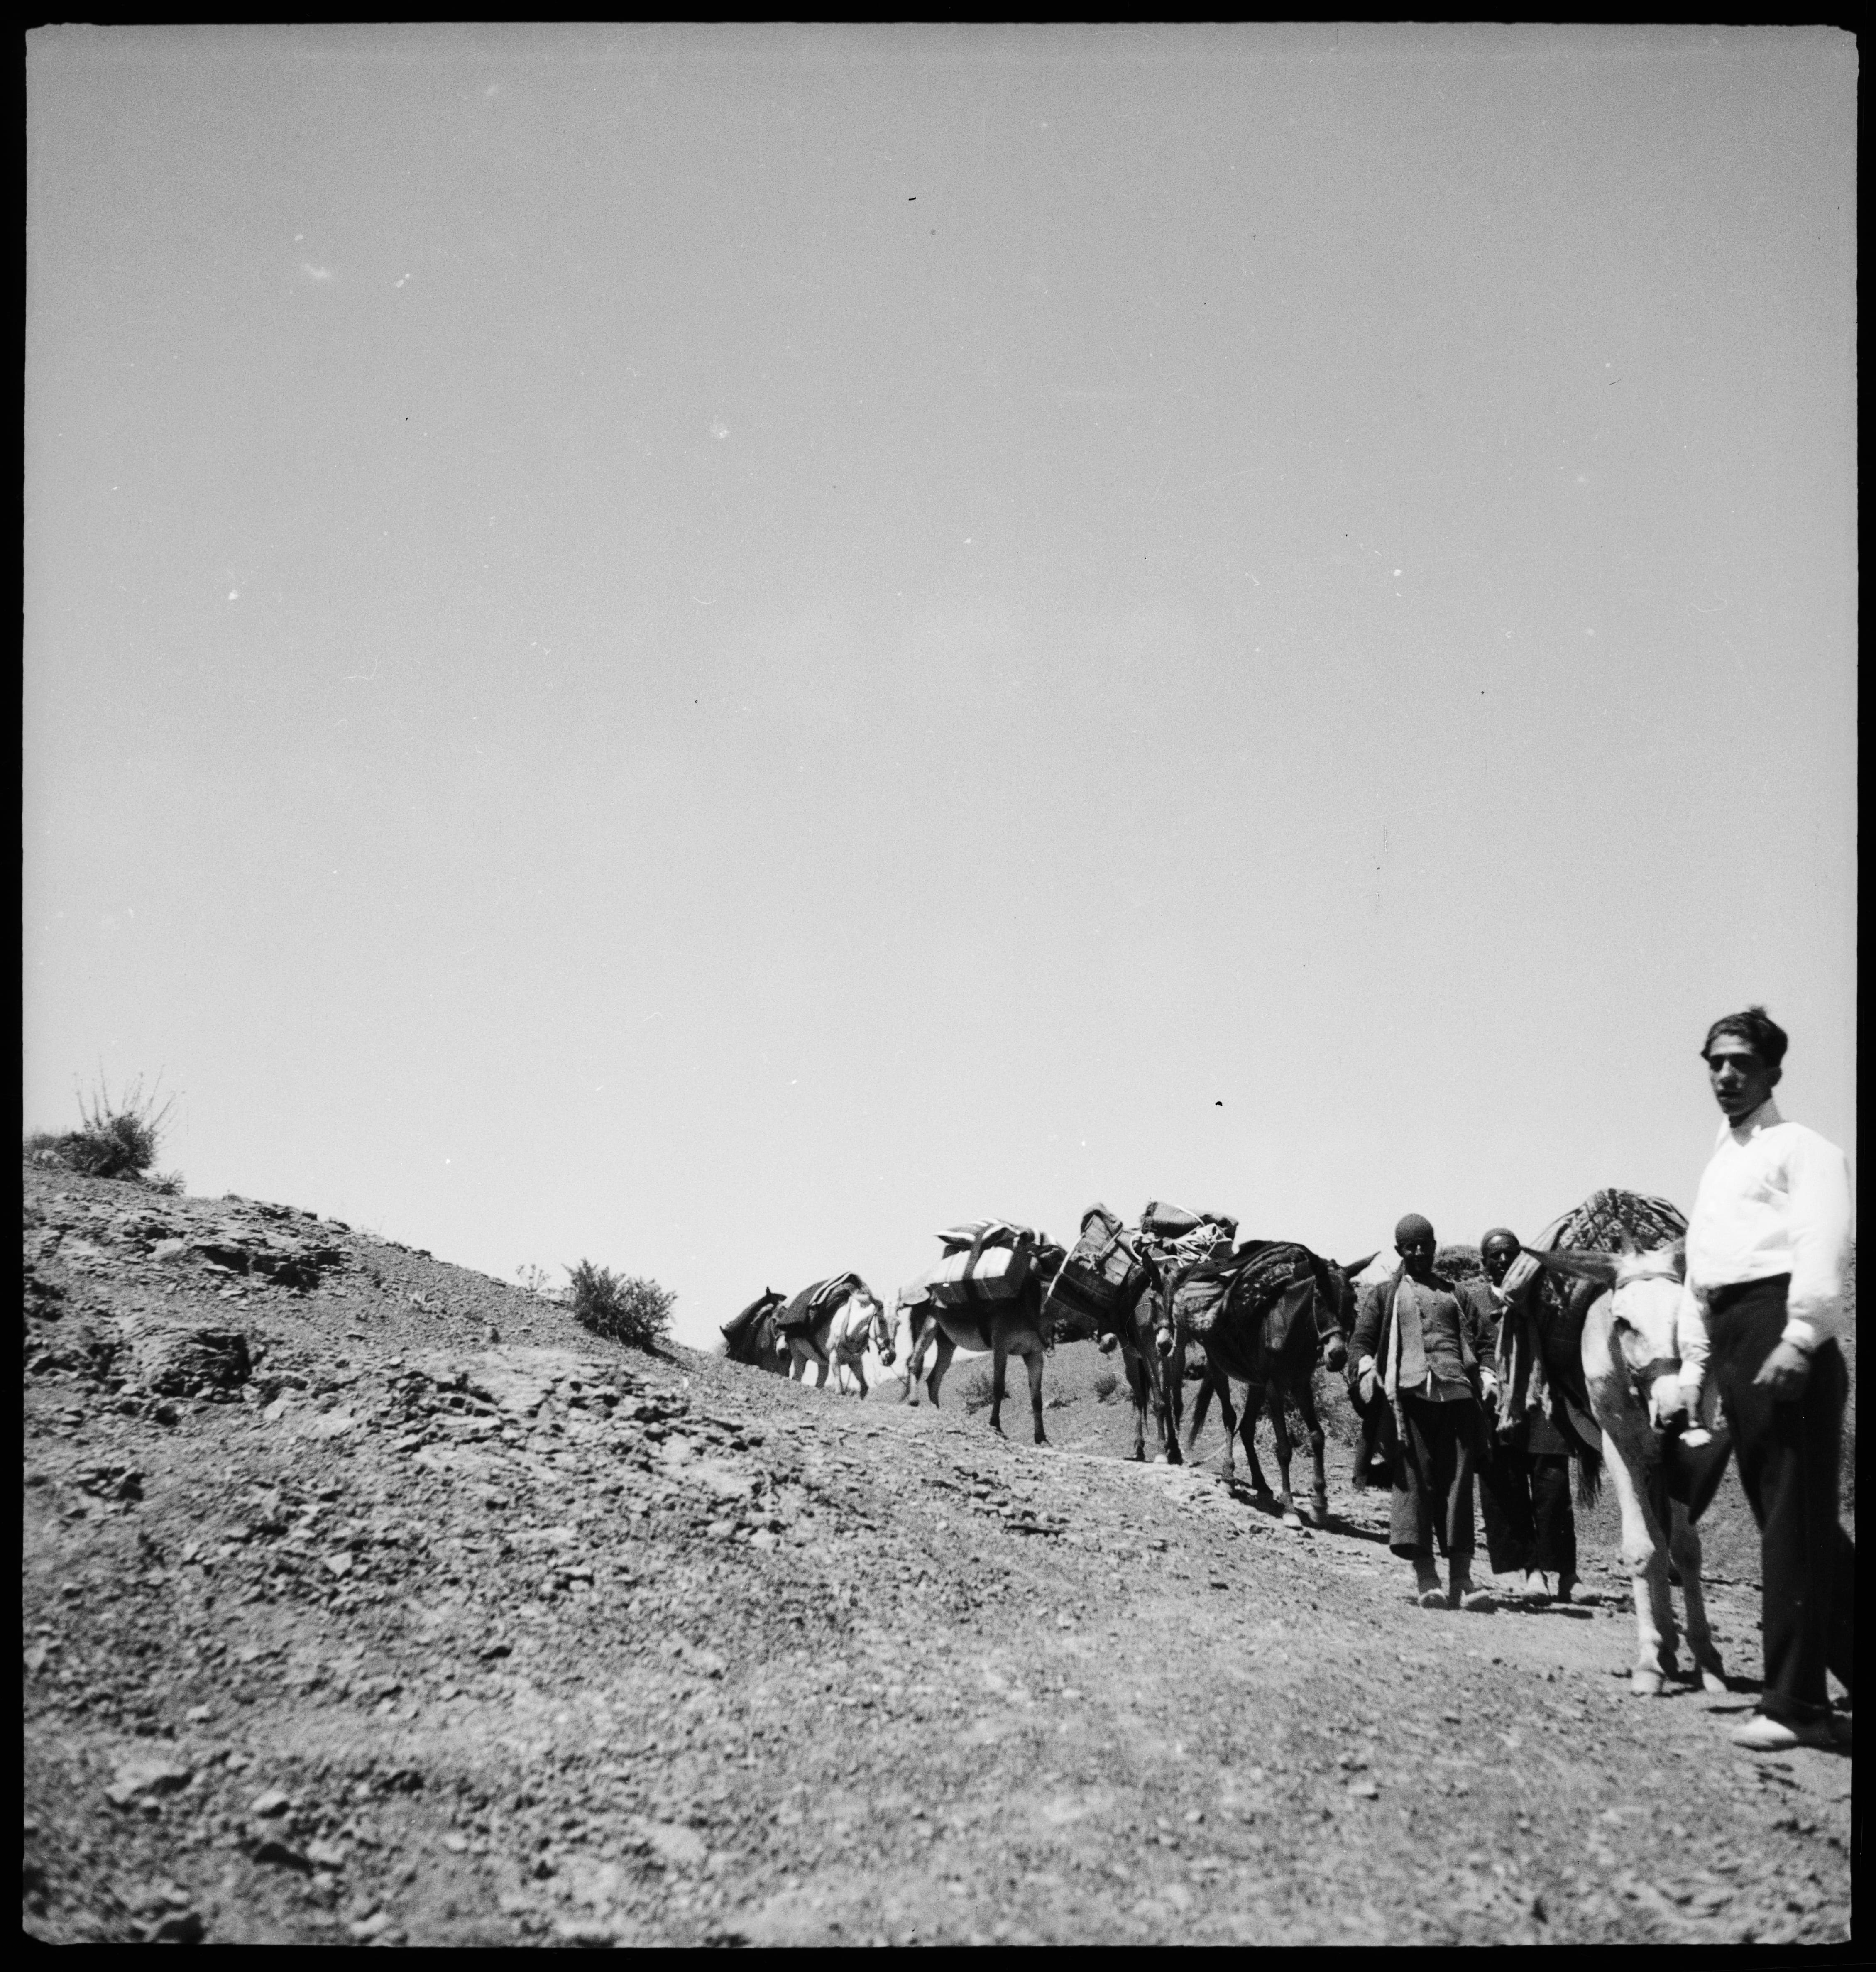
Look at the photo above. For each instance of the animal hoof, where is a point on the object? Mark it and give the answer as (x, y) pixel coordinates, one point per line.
(1292, 1518)
(1644, 1684)
(1714, 1681)
(1160, 1458)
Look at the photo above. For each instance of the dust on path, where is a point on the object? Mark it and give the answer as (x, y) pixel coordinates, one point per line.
(409, 1634)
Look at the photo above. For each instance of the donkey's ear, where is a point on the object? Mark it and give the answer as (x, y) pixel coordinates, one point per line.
(1579, 1265)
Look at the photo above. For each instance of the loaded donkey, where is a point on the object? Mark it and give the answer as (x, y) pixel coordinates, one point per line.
(828, 1325)
(1621, 1259)
(1264, 1312)
(991, 1294)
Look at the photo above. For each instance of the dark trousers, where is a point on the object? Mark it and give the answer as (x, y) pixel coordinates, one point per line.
(1788, 1458)
(1432, 1504)
(1524, 1498)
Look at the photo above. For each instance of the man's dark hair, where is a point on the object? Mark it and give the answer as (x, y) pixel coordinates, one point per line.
(1756, 1028)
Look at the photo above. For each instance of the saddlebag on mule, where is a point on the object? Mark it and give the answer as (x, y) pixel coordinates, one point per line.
(1102, 1277)
(1199, 1296)
(995, 1264)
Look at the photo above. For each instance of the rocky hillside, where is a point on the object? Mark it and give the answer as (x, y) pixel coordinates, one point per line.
(367, 1599)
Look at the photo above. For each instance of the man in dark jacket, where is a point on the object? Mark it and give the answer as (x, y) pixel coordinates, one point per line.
(1540, 1424)
(1416, 1342)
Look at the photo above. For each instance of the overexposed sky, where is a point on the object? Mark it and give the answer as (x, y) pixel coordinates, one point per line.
(712, 649)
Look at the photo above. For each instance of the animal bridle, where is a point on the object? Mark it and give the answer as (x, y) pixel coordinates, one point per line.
(1642, 1377)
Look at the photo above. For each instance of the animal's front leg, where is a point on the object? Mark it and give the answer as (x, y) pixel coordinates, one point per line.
(1280, 1438)
(1642, 1551)
(1228, 1419)
(1137, 1386)
(945, 1349)
(1168, 1372)
(1000, 1365)
(1201, 1404)
(1685, 1545)
(1254, 1400)
(1033, 1362)
(1319, 1491)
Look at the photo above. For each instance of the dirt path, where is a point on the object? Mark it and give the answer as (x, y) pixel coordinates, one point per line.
(398, 1633)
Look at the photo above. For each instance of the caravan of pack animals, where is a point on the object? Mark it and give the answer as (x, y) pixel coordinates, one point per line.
(1577, 1326)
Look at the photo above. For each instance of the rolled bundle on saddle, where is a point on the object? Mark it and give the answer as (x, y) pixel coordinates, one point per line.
(1173, 1240)
(986, 1261)
(821, 1297)
(1165, 1225)
(1102, 1277)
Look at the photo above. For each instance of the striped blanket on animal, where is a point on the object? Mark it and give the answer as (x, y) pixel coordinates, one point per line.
(820, 1298)
(985, 1260)
(1609, 1221)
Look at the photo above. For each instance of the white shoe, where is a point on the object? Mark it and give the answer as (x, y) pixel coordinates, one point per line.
(1761, 1735)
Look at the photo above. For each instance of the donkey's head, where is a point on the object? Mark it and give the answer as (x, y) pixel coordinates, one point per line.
(1335, 1312)
(1646, 1289)
(867, 1318)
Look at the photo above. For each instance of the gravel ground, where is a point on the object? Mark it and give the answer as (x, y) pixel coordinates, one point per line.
(366, 1599)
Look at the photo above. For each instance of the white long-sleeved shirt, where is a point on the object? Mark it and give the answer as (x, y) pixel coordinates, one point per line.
(1774, 1198)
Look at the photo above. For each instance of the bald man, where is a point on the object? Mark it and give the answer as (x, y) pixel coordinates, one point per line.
(1416, 1340)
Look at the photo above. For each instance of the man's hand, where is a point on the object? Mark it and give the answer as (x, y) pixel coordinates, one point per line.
(1367, 1383)
(1783, 1373)
(1668, 1402)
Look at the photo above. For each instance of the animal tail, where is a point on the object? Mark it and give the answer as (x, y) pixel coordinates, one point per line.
(1589, 1479)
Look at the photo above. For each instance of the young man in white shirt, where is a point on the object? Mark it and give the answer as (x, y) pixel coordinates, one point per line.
(1766, 1248)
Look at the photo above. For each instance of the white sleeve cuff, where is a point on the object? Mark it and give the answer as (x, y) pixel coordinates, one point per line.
(1800, 1334)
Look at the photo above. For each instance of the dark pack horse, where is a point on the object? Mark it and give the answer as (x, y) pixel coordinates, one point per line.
(754, 1338)
(1263, 1314)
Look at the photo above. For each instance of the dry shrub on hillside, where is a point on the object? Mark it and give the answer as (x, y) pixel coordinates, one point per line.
(977, 1387)
(626, 1308)
(1458, 1263)
(118, 1136)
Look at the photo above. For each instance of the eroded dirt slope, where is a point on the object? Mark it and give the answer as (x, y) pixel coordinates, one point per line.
(366, 1598)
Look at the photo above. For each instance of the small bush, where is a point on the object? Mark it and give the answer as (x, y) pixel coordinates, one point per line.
(623, 1308)
(172, 1184)
(1459, 1263)
(1106, 1383)
(118, 1137)
(977, 1387)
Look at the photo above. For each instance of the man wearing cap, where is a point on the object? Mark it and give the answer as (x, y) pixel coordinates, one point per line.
(1417, 1338)
(1542, 1422)
(1766, 1249)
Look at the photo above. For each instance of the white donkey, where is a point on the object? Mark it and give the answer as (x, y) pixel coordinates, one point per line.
(837, 1337)
(1631, 1368)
